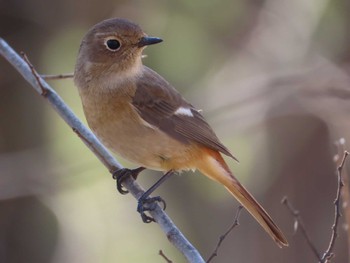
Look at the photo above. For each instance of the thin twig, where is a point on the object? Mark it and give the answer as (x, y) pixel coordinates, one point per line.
(164, 256)
(35, 74)
(329, 252)
(300, 225)
(222, 237)
(59, 76)
(345, 193)
(28, 72)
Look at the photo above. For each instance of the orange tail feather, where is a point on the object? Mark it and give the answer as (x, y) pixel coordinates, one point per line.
(214, 166)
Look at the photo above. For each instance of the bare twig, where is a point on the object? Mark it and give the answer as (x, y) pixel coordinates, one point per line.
(60, 76)
(300, 225)
(164, 256)
(329, 252)
(35, 74)
(345, 193)
(28, 72)
(222, 237)
(340, 146)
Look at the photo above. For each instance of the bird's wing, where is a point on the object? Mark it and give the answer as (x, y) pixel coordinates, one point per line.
(159, 104)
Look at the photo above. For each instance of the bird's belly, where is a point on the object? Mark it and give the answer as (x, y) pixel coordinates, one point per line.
(143, 144)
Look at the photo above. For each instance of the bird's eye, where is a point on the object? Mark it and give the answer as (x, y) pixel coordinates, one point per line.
(112, 44)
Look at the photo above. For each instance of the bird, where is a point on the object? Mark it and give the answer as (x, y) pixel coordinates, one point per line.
(137, 114)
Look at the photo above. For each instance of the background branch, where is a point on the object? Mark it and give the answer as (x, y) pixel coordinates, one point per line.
(222, 237)
(161, 253)
(39, 84)
(328, 254)
(345, 193)
(298, 224)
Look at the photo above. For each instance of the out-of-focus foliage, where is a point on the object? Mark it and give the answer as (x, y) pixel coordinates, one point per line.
(272, 77)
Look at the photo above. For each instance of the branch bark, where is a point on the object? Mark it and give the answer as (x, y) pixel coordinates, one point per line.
(40, 85)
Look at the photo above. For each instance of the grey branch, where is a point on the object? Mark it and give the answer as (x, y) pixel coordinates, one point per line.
(40, 85)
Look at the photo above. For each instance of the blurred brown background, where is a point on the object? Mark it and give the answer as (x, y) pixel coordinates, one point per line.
(273, 80)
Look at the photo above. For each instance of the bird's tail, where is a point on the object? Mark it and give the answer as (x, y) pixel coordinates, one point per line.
(214, 166)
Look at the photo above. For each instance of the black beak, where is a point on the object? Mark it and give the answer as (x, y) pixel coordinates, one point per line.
(146, 41)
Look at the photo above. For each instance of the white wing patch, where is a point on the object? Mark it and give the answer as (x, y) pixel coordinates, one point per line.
(184, 111)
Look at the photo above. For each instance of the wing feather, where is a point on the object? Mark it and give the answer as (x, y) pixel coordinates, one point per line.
(157, 101)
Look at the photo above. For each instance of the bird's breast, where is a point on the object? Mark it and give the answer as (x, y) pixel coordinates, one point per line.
(118, 125)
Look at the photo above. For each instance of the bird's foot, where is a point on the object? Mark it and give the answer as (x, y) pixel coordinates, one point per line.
(145, 204)
(121, 174)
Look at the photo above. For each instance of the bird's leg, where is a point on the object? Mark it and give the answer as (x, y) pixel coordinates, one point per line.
(146, 203)
(121, 174)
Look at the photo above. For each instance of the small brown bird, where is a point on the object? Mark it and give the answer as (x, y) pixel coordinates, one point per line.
(139, 115)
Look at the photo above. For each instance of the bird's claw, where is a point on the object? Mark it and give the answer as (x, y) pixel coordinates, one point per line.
(145, 203)
(121, 174)
(149, 204)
